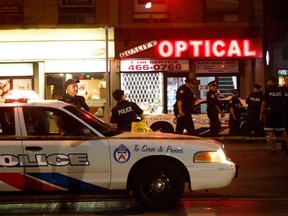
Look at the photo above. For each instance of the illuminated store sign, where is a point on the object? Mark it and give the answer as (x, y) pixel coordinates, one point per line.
(154, 65)
(138, 49)
(209, 48)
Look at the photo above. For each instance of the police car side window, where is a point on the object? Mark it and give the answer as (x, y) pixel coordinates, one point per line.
(48, 121)
(7, 121)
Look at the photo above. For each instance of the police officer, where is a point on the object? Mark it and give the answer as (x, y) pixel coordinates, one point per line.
(285, 89)
(272, 107)
(235, 108)
(71, 86)
(214, 108)
(184, 107)
(254, 100)
(125, 112)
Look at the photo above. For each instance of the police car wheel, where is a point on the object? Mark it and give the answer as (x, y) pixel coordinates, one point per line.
(162, 127)
(158, 184)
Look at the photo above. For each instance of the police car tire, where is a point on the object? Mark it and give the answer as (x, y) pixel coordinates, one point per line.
(158, 184)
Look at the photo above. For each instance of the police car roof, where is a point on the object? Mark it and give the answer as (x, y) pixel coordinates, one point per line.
(31, 103)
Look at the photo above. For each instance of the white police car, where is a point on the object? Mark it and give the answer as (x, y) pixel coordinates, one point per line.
(167, 122)
(54, 146)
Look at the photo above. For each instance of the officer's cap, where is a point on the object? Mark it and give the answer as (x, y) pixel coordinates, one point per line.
(71, 81)
(234, 91)
(212, 83)
(257, 86)
(117, 94)
(189, 80)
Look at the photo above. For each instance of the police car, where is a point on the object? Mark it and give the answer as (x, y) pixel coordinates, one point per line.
(54, 146)
(167, 122)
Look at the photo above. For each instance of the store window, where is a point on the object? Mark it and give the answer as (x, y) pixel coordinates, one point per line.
(76, 12)
(145, 89)
(222, 10)
(159, 11)
(225, 85)
(92, 87)
(11, 12)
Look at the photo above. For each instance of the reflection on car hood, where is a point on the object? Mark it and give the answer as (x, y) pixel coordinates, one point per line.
(156, 135)
(194, 140)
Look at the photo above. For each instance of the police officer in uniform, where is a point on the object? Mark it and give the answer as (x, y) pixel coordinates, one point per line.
(254, 100)
(272, 107)
(235, 108)
(71, 86)
(285, 89)
(214, 108)
(125, 112)
(184, 107)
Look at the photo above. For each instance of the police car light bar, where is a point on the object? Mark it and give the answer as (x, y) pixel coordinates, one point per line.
(21, 96)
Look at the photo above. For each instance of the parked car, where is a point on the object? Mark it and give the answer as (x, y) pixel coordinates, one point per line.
(55, 146)
(166, 123)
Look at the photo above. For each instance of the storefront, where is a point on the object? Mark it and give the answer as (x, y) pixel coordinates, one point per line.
(15, 76)
(281, 74)
(151, 71)
(43, 59)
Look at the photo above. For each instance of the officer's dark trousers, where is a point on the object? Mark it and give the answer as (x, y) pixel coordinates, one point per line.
(234, 127)
(215, 124)
(185, 122)
(254, 125)
(286, 121)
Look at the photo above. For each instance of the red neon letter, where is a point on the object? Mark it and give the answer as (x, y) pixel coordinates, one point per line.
(196, 49)
(221, 44)
(246, 46)
(165, 45)
(234, 49)
(180, 46)
(207, 48)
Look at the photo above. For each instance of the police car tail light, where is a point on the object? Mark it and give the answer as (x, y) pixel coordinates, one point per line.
(210, 157)
(21, 96)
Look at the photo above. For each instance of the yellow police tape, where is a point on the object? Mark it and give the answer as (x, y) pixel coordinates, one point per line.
(140, 127)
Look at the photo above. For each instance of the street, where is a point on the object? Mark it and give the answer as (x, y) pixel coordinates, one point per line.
(260, 189)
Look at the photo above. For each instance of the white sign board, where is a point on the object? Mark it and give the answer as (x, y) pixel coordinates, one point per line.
(217, 67)
(154, 65)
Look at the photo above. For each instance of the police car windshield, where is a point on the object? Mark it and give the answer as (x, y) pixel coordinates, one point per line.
(93, 121)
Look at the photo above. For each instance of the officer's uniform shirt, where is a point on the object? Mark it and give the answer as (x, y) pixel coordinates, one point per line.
(285, 89)
(124, 113)
(77, 100)
(186, 95)
(274, 97)
(212, 100)
(235, 103)
(254, 101)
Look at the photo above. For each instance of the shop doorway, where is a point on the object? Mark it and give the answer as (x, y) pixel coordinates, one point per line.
(225, 85)
(174, 81)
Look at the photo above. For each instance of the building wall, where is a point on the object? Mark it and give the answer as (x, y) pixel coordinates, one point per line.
(188, 15)
(39, 12)
(187, 20)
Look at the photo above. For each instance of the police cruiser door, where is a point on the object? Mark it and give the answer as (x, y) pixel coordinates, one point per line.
(61, 153)
(11, 169)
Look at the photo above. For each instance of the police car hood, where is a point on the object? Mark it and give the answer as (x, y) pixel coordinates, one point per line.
(178, 138)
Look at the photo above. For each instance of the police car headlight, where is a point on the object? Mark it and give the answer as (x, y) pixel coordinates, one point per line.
(210, 157)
